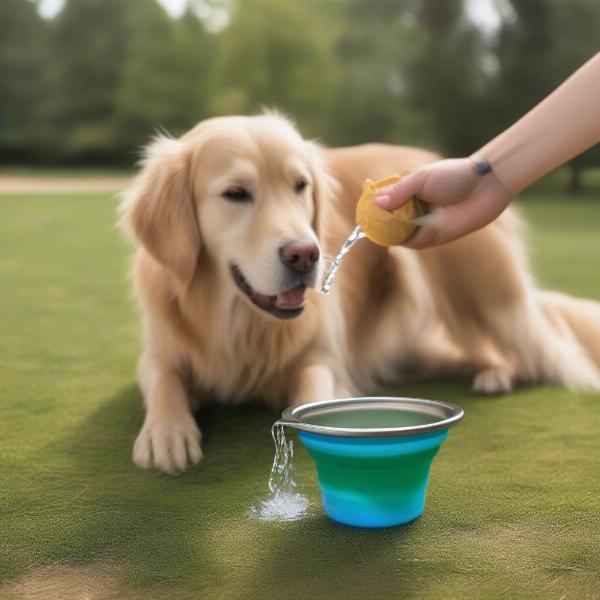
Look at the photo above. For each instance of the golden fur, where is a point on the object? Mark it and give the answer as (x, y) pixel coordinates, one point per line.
(470, 305)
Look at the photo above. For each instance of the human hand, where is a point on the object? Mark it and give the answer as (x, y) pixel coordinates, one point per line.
(457, 199)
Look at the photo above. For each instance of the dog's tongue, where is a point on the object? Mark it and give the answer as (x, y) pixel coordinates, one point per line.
(291, 298)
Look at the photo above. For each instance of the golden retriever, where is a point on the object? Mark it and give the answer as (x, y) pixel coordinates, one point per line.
(234, 221)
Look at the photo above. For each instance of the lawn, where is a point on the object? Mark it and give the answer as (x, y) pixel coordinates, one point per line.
(514, 501)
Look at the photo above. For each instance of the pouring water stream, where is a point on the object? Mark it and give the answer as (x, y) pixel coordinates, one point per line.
(356, 235)
(284, 503)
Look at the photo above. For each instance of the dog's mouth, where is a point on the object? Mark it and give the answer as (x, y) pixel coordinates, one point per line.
(285, 305)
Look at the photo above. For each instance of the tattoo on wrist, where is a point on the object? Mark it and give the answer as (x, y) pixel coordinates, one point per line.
(481, 164)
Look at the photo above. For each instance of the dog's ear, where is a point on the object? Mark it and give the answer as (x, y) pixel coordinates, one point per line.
(325, 187)
(159, 207)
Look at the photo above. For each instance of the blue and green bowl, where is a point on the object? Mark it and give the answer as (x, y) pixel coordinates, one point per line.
(373, 454)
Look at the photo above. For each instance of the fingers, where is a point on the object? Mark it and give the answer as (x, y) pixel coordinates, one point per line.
(458, 200)
(447, 223)
(401, 192)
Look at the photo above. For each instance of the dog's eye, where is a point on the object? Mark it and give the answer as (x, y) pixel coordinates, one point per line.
(237, 194)
(300, 185)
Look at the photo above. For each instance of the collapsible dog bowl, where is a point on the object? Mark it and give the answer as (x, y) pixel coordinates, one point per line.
(373, 454)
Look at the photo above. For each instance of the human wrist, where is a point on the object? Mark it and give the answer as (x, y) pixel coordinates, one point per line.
(481, 165)
(510, 166)
(564, 124)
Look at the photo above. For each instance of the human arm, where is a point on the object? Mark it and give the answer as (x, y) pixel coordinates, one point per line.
(563, 125)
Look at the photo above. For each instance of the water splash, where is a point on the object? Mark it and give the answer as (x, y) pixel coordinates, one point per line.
(356, 235)
(284, 503)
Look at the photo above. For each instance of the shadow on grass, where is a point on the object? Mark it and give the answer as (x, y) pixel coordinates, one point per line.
(193, 532)
(144, 519)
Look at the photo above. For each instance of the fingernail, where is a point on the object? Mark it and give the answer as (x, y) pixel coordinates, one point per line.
(420, 221)
(383, 201)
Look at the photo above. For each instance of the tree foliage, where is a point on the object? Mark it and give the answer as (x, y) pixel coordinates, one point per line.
(23, 44)
(275, 54)
(89, 40)
(163, 80)
(96, 81)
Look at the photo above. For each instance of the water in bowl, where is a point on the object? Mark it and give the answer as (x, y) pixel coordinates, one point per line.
(368, 418)
(285, 502)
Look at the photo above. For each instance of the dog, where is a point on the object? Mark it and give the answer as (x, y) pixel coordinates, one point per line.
(235, 222)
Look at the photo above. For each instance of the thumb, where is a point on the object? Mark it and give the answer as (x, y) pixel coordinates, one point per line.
(400, 193)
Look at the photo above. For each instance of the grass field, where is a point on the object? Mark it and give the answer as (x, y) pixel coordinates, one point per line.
(514, 501)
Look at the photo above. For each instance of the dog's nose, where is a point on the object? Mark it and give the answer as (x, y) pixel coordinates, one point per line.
(299, 255)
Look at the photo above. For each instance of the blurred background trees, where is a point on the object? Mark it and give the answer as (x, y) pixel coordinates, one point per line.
(92, 83)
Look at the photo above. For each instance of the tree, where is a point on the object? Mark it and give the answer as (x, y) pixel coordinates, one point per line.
(445, 78)
(275, 54)
(164, 80)
(537, 49)
(526, 73)
(89, 43)
(575, 40)
(373, 43)
(23, 89)
(197, 50)
(411, 74)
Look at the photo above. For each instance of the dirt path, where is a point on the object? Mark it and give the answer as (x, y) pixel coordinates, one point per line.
(14, 184)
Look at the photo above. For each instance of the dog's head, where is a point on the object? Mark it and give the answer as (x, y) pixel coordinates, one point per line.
(243, 192)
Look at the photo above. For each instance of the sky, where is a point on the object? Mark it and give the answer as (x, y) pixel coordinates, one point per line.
(483, 13)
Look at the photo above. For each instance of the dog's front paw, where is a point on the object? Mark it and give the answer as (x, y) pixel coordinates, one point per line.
(169, 445)
(581, 375)
(495, 380)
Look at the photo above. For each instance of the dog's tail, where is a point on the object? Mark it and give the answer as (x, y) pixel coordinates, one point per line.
(574, 318)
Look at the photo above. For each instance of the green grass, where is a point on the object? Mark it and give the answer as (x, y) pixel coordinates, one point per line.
(513, 509)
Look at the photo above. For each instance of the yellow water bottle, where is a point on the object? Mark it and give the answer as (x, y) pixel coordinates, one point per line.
(385, 227)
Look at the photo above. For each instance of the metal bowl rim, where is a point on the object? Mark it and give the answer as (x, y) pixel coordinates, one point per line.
(292, 416)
